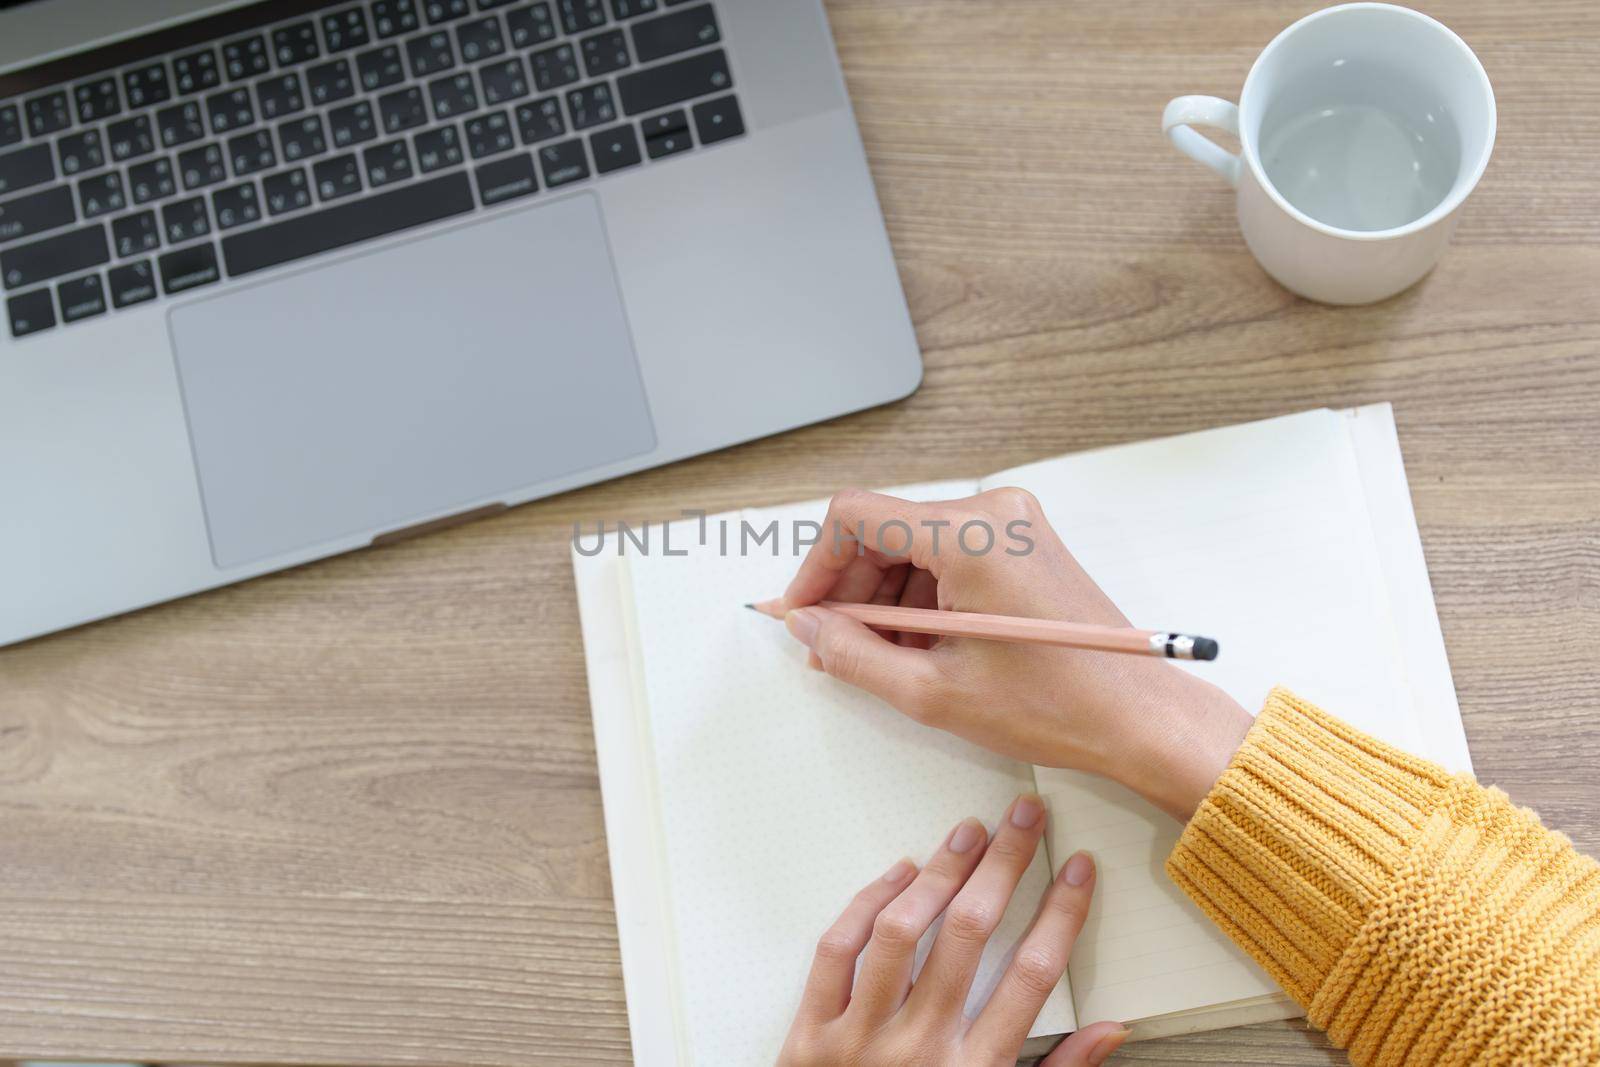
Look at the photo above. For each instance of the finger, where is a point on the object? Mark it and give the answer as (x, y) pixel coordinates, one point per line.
(885, 973)
(833, 968)
(921, 591)
(859, 581)
(861, 524)
(905, 677)
(1039, 962)
(892, 585)
(975, 913)
(1089, 1047)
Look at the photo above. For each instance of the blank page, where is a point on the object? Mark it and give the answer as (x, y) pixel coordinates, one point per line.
(782, 792)
(1256, 535)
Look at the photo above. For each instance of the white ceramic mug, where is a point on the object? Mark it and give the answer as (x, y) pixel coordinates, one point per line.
(1362, 129)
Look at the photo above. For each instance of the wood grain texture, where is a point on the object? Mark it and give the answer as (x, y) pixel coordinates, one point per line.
(349, 814)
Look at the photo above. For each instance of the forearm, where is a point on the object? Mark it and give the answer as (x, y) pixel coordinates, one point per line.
(1419, 917)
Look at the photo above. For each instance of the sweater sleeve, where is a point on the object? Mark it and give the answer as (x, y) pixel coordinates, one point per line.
(1418, 917)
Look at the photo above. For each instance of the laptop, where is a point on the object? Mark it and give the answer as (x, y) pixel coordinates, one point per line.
(285, 279)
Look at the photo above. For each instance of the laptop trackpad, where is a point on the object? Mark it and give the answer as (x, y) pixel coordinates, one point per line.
(370, 393)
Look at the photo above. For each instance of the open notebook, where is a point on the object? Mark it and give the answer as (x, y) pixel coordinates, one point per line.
(747, 797)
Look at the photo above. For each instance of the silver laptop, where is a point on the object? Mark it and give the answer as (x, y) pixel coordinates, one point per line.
(282, 279)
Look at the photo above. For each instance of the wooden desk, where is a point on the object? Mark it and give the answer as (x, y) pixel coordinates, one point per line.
(349, 814)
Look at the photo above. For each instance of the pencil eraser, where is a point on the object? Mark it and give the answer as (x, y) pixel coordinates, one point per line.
(1205, 648)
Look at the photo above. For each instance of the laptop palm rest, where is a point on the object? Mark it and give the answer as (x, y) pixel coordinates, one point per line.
(391, 387)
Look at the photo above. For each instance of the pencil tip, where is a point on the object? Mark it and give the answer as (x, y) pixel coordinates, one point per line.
(752, 607)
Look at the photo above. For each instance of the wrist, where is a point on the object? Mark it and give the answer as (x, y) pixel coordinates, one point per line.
(1186, 731)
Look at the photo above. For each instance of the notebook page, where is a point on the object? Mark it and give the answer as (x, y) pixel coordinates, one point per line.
(781, 792)
(1256, 535)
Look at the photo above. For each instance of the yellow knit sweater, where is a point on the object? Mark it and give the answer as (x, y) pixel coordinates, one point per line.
(1419, 917)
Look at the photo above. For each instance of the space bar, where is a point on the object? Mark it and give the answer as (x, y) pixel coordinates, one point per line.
(359, 220)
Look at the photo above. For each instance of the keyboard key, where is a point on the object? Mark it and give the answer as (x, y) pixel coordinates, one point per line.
(237, 205)
(604, 53)
(489, 135)
(48, 114)
(485, 5)
(251, 152)
(36, 213)
(288, 191)
(136, 233)
(362, 219)
(554, 67)
(402, 109)
(184, 220)
(202, 166)
(279, 96)
(302, 138)
(380, 68)
(189, 268)
(31, 312)
(387, 163)
(230, 110)
(437, 148)
(506, 179)
(147, 85)
(430, 53)
(80, 152)
(530, 25)
(132, 283)
(330, 81)
(673, 83)
(453, 95)
(101, 195)
(10, 125)
(131, 138)
(614, 149)
(393, 17)
(337, 177)
(151, 180)
(718, 120)
(81, 298)
(627, 9)
(540, 120)
(72, 252)
(352, 124)
(580, 15)
(444, 10)
(296, 43)
(246, 57)
(345, 29)
(563, 162)
(506, 80)
(590, 105)
(97, 99)
(677, 32)
(180, 124)
(667, 144)
(480, 39)
(666, 122)
(25, 167)
(196, 72)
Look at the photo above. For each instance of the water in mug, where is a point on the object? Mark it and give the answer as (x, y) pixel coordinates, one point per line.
(1360, 147)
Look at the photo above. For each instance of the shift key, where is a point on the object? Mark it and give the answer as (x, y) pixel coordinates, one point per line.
(672, 83)
(67, 253)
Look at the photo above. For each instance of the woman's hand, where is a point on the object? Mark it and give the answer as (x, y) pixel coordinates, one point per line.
(877, 1016)
(1162, 732)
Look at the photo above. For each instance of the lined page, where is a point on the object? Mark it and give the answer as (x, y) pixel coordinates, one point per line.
(781, 792)
(1257, 535)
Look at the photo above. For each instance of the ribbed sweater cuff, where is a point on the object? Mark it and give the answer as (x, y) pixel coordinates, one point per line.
(1299, 837)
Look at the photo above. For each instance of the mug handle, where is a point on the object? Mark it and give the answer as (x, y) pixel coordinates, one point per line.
(1186, 112)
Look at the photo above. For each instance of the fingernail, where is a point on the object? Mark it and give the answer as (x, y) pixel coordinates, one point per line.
(965, 835)
(1079, 869)
(803, 624)
(899, 872)
(1026, 811)
(1106, 1046)
(770, 607)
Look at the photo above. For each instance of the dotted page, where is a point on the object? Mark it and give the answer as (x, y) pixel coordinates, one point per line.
(782, 792)
(1259, 536)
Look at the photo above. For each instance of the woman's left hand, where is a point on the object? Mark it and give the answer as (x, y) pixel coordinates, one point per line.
(877, 1016)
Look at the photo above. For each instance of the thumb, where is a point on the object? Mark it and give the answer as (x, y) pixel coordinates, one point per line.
(905, 677)
(1088, 1047)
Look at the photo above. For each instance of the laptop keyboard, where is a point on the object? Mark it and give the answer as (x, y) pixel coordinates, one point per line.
(284, 130)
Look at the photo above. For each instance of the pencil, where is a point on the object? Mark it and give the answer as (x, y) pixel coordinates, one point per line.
(1023, 631)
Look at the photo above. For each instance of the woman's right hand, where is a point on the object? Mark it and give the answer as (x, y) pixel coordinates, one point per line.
(1162, 732)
